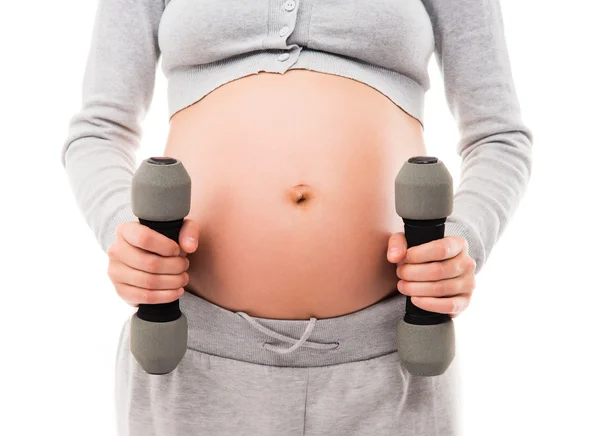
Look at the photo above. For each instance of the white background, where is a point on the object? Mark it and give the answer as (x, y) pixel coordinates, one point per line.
(528, 344)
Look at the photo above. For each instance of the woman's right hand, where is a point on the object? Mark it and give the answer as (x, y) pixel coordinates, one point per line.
(147, 267)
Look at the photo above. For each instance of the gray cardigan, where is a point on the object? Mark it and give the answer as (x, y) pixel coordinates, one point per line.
(386, 44)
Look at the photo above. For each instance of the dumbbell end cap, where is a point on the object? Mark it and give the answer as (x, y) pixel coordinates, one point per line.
(161, 190)
(423, 189)
(158, 346)
(426, 350)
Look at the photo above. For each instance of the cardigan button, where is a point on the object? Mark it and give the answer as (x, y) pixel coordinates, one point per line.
(283, 57)
(289, 5)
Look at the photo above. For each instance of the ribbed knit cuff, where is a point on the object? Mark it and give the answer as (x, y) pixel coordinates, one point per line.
(123, 214)
(455, 227)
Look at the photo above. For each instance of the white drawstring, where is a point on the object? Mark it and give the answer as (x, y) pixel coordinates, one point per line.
(297, 343)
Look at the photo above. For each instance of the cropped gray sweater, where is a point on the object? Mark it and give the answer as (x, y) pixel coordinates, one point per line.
(386, 44)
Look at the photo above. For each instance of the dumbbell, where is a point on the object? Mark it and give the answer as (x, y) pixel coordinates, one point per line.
(160, 198)
(424, 199)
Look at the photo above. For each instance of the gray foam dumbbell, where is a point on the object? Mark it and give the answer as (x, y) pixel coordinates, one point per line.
(424, 199)
(160, 197)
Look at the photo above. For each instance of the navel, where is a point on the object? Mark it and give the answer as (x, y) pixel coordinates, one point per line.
(300, 195)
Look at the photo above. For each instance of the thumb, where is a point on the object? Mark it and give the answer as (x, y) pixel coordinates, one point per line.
(188, 236)
(396, 247)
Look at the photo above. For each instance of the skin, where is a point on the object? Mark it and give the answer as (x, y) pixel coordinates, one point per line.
(292, 211)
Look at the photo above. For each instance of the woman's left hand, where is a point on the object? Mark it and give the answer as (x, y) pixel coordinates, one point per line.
(439, 276)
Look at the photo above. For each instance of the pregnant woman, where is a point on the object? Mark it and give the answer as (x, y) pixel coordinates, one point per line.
(292, 118)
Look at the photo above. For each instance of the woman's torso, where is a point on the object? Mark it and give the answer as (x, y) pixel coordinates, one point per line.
(293, 188)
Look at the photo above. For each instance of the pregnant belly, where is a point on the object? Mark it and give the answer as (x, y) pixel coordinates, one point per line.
(293, 187)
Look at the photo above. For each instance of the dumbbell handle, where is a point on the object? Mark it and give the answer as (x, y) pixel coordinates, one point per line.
(419, 232)
(162, 312)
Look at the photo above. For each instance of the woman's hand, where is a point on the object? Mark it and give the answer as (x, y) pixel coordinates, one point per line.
(439, 276)
(147, 267)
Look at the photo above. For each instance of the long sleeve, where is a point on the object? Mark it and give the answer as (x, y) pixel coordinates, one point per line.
(99, 153)
(494, 145)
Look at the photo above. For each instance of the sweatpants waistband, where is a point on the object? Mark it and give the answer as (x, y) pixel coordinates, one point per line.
(361, 335)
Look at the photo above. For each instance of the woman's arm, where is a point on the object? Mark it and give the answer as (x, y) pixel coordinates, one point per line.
(495, 145)
(99, 153)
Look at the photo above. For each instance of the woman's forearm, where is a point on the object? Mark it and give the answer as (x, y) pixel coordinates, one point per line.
(495, 145)
(99, 152)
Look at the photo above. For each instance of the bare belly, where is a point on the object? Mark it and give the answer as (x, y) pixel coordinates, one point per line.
(293, 187)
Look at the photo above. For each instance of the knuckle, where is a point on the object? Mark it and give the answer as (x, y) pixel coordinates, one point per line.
(466, 265)
(151, 297)
(458, 268)
(151, 281)
(442, 249)
(152, 264)
(440, 289)
(413, 272)
(144, 237)
(439, 270)
(147, 296)
(468, 270)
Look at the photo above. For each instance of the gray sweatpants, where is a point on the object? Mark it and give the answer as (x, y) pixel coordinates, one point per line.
(243, 375)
